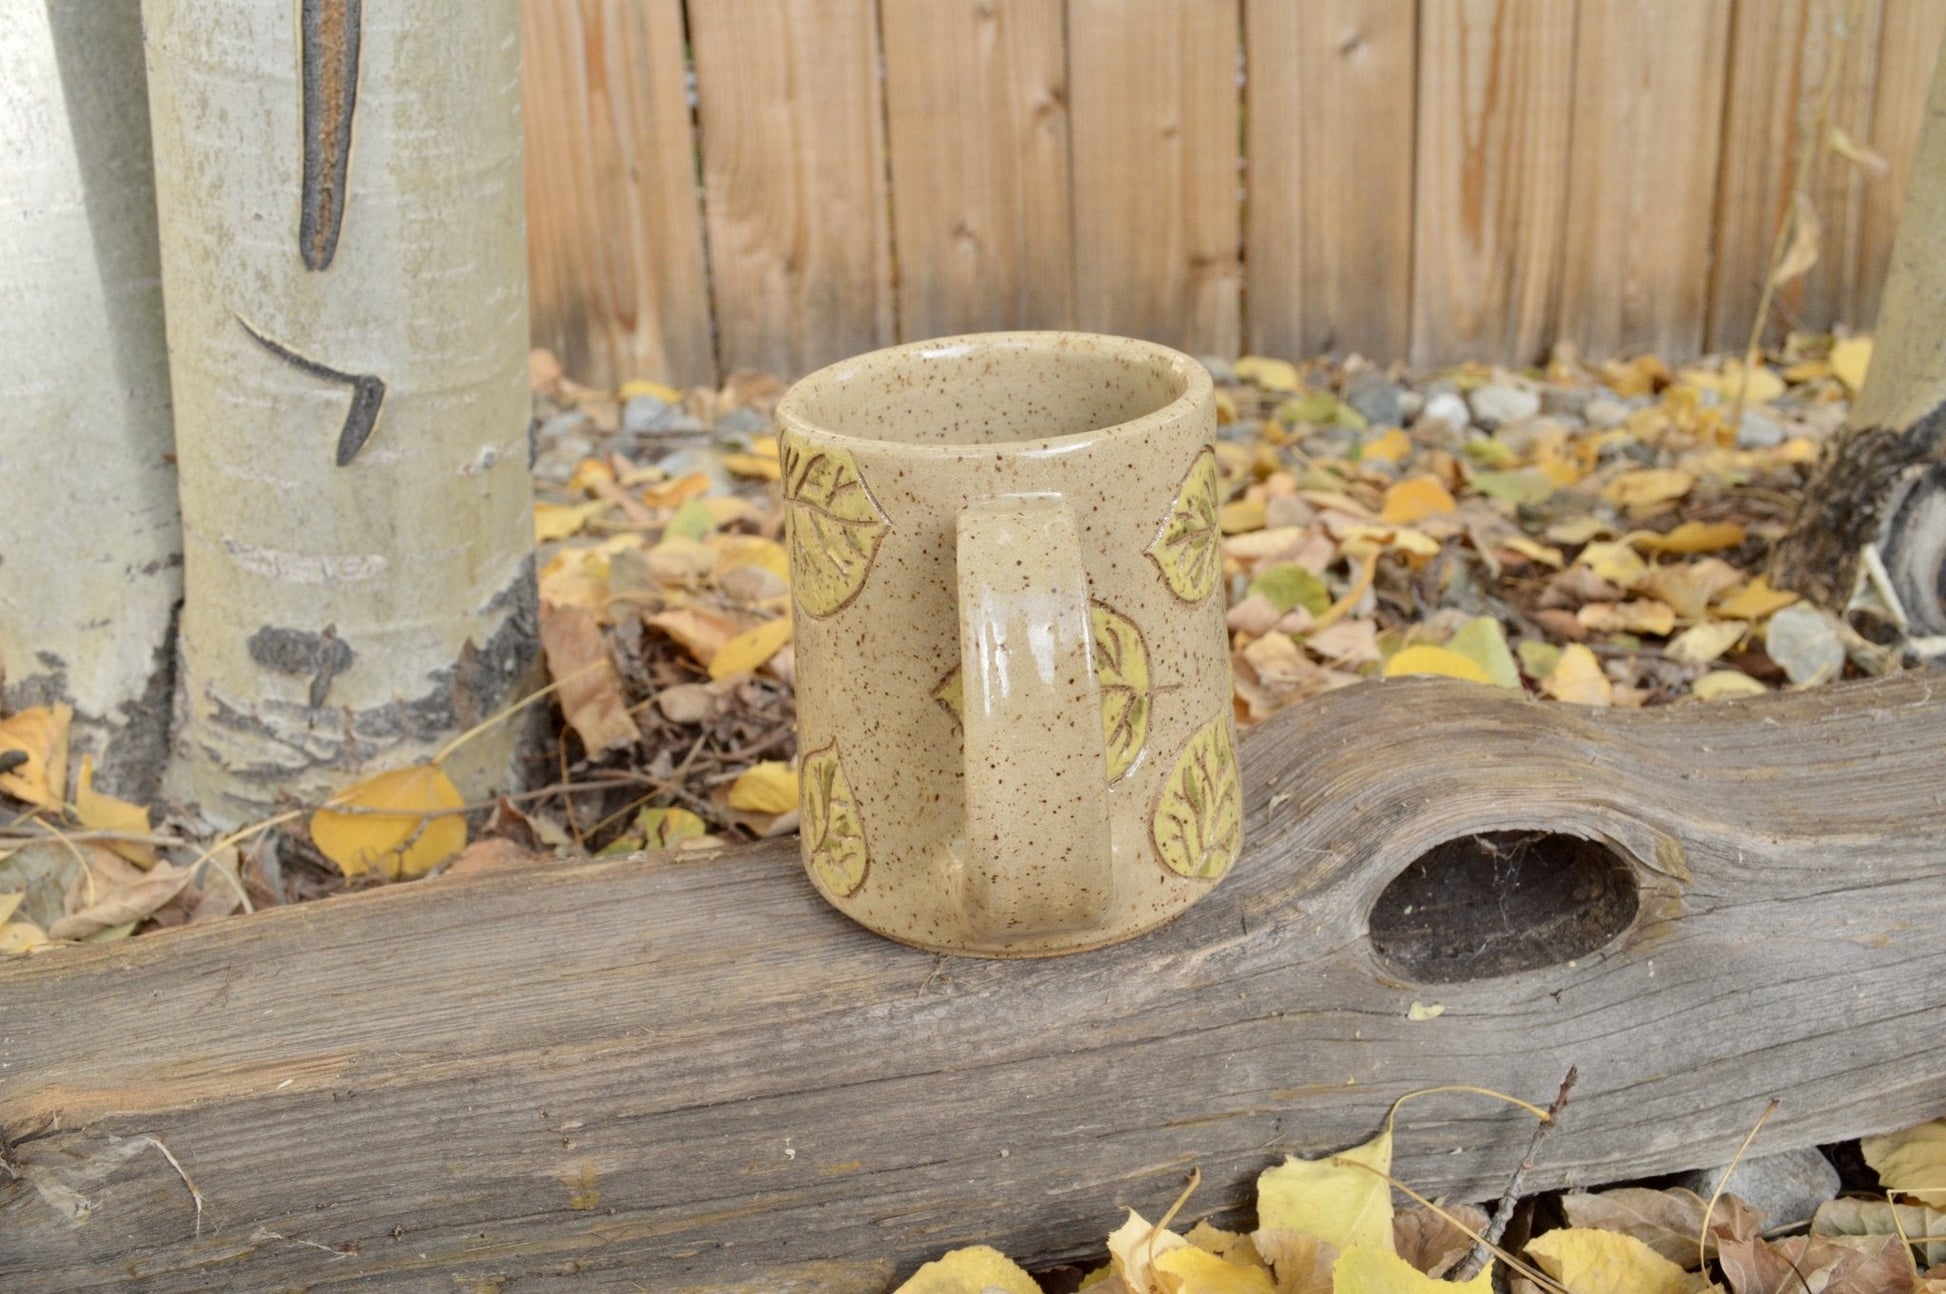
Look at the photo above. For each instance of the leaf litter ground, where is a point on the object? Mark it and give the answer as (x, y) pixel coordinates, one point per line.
(1591, 534)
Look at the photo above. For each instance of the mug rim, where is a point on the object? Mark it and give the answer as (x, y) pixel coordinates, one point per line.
(1198, 391)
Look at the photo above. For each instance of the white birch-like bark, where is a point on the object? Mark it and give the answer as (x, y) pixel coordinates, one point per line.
(90, 548)
(352, 600)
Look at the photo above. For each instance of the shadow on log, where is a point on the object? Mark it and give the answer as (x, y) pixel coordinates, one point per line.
(692, 1075)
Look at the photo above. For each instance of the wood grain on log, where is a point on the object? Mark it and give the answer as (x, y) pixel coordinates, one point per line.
(690, 1074)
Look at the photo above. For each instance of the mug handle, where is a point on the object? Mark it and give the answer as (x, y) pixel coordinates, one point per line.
(1038, 858)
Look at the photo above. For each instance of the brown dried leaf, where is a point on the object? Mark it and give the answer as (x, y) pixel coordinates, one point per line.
(1666, 1221)
(1302, 1263)
(592, 698)
(1821, 1264)
(120, 905)
(1802, 253)
(1430, 1242)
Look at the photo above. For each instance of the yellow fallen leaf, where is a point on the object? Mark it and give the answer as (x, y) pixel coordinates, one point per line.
(701, 632)
(1616, 562)
(1755, 600)
(1483, 641)
(20, 937)
(98, 812)
(755, 466)
(590, 474)
(41, 733)
(1689, 586)
(979, 1269)
(576, 577)
(1637, 616)
(1377, 1271)
(638, 386)
(751, 648)
(1647, 486)
(10, 904)
(1722, 684)
(769, 787)
(1270, 374)
(1691, 537)
(1233, 1247)
(1414, 499)
(1420, 1011)
(559, 520)
(1912, 1162)
(592, 697)
(673, 494)
(1390, 447)
(1435, 660)
(727, 512)
(1589, 1261)
(1338, 1198)
(1577, 678)
(734, 552)
(1134, 1245)
(1701, 644)
(1850, 359)
(1358, 538)
(1533, 550)
(397, 846)
(1241, 515)
(1190, 1270)
(1637, 376)
(1765, 385)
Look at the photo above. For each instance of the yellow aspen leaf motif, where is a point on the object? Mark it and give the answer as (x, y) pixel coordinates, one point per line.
(1186, 548)
(834, 527)
(833, 835)
(1122, 670)
(1197, 824)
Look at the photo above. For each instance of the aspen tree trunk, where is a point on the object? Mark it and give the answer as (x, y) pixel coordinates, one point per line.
(1875, 509)
(343, 254)
(90, 548)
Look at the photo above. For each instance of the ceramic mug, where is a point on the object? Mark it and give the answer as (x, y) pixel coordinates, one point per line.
(1013, 673)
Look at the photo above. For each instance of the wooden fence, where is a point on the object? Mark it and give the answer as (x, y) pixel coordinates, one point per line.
(773, 184)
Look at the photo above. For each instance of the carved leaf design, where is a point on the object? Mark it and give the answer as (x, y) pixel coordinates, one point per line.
(1122, 669)
(833, 835)
(834, 527)
(1185, 549)
(1197, 825)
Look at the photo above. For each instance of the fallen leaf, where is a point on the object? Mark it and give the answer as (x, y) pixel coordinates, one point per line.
(1435, 660)
(673, 494)
(1537, 659)
(768, 787)
(1302, 1263)
(1755, 600)
(979, 1269)
(1231, 1246)
(1851, 359)
(124, 904)
(1805, 643)
(1241, 515)
(1725, 684)
(1270, 374)
(1286, 585)
(1348, 642)
(1419, 1011)
(1432, 1243)
(756, 466)
(1134, 1246)
(1911, 1162)
(1924, 1226)
(641, 386)
(1701, 644)
(20, 937)
(1691, 537)
(559, 520)
(1532, 550)
(749, 650)
(1802, 252)
(1483, 641)
(1616, 562)
(1645, 487)
(1606, 1262)
(701, 631)
(1378, 1271)
(1338, 1198)
(1689, 586)
(1829, 1264)
(1577, 677)
(1190, 1270)
(1415, 499)
(40, 733)
(1667, 1221)
(98, 812)
(1526, 485)
(397, 846)
(590, 689)
(1392, 446)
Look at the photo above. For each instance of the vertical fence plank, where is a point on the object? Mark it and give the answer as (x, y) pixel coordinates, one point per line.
(794, 177)
(615, 244)
(1779, 52)
(976, 100)
(1648, 103)
(1496, 80)
(1156, 220)
(1329, 136)
(1909, 47)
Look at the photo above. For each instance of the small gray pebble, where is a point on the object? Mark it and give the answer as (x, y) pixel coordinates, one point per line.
(1788, 1187)
(1605, 411)
(1410, 404)
(699, 458)
(1498, 403)
(1447, 407)
(1220, 370)
(558, 456)
(645, 413)
(1759, 431)
(745, 421)
(1564, 401)
(1377, 397)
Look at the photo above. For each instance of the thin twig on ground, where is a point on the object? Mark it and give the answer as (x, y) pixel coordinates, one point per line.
(1503, 1211)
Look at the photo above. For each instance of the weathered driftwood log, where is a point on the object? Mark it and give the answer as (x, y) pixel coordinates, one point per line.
(690, 1074)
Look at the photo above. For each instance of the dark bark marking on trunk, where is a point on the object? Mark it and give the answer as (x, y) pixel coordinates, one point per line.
(329, 36)
(367, 394)
(299, 652)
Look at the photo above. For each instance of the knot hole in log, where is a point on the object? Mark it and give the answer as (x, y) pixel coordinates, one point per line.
(1497, 902)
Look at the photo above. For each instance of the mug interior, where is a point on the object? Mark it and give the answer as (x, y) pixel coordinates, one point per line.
(1002, 388)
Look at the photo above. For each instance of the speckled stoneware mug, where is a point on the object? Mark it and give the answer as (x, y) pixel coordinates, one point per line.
(1013, 676)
